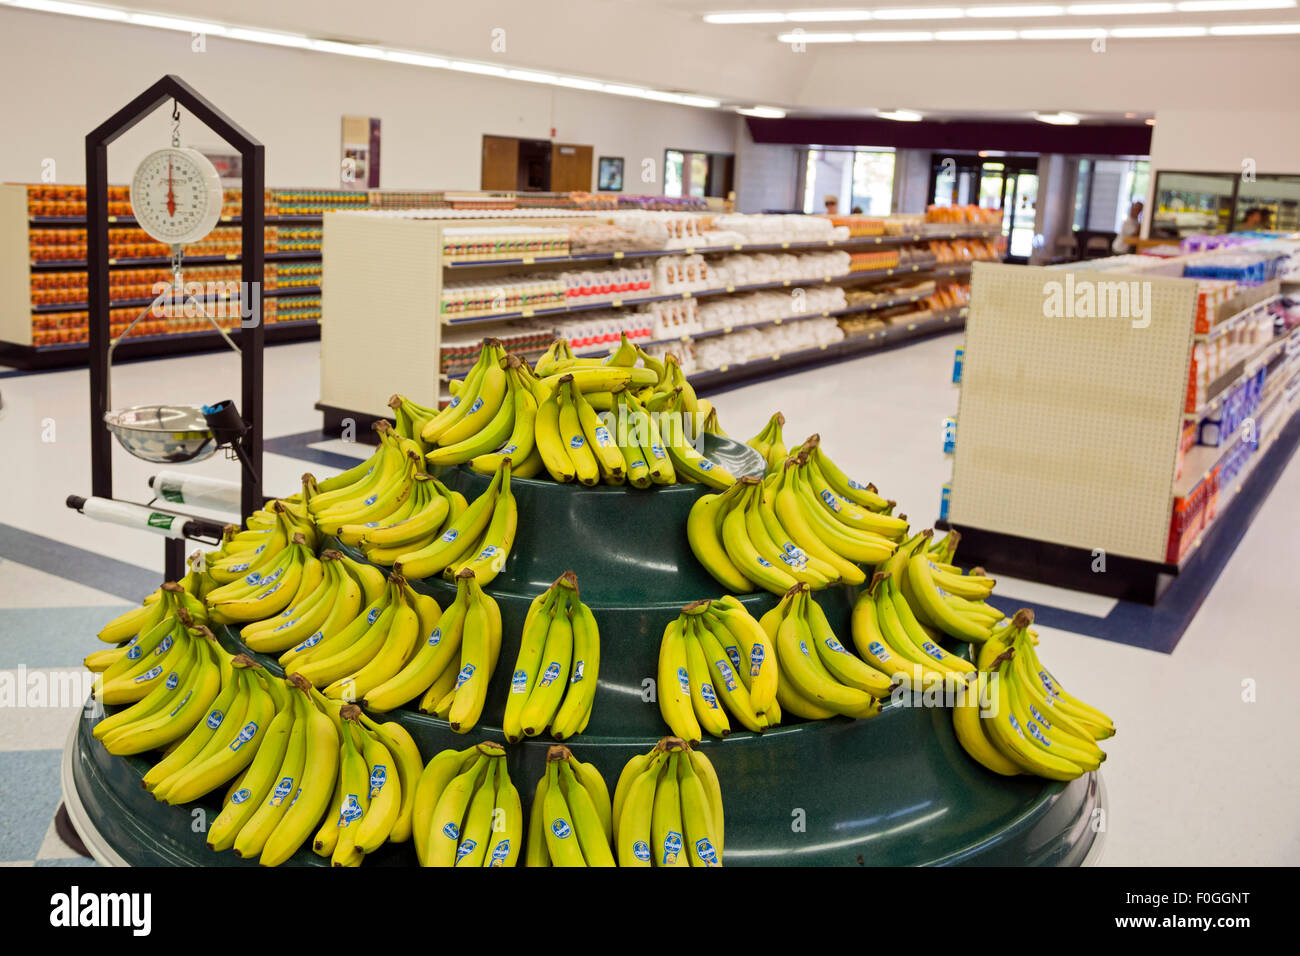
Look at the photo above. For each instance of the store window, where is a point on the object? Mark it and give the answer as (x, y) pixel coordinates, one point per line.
(1274, 199)
(858, 178)
(1104, 191)
(693, 173)
(1189, 203)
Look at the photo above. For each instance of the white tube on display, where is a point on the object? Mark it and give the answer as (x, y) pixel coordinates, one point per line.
(134, 516)
(182, 489)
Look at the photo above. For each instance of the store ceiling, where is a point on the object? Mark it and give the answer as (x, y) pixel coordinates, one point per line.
(668, 46)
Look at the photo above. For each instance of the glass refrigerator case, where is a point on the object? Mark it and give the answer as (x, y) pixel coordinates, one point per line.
(1189, 203)
(1277, 196)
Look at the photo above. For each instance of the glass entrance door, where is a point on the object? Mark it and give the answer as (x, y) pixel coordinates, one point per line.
(1020, 213)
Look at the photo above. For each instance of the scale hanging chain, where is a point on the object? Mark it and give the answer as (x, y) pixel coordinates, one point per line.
(176, 125)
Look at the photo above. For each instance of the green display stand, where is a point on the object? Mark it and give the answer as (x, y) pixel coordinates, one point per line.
(894, 790)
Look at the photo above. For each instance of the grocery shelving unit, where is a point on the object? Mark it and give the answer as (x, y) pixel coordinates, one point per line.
(19, 307)
(1070, 432)
(380, 288)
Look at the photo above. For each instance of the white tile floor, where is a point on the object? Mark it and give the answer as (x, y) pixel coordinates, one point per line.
(1197, 775)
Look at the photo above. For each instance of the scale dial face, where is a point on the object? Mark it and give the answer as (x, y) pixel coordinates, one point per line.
(176, 195)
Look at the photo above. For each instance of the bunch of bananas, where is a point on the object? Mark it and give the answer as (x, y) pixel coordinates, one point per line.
(668, 809)
(272, 807)
(466, 810)
(819, 677)
(770, 444)
(249, 557)
(554, 680)
(345, 587)
(427, 514)
(478, 538)
(715, 658)
(453, 662)
(373, 798)
(1002, 720)
(777, 532)
(164, 680)
(410, 418)
(912, 603)
(571, 822)
(162, 604)
(269, 587)
(222, 743)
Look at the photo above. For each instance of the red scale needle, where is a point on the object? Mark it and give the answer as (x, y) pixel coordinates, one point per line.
(171, 193)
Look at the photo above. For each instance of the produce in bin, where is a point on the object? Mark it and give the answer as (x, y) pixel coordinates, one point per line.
(554, 680)
(571, 822)
(1019, 719)
(715, 659)
(467, 812)
(668, 809)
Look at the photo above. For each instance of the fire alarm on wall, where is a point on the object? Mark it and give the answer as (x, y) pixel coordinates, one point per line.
(552, 132)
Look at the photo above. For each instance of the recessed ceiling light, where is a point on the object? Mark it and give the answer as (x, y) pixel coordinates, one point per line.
(1058, 119)
(762, 112)
(901, 116)
(1150, 122)
(1130, 116)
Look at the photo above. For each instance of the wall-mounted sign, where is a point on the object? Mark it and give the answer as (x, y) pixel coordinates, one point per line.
(610, 174)
(359, 168)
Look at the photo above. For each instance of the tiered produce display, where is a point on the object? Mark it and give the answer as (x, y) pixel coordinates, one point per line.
(309, 697)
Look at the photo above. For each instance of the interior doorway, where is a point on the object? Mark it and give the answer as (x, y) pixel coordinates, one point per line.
(535, 165)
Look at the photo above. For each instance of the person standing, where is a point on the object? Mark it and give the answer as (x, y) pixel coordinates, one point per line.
(1129, 230)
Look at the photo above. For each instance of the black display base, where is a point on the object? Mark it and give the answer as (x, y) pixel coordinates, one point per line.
(68, 833)
(41, 358)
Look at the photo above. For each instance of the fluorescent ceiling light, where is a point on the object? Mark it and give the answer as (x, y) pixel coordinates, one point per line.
(1150, 122)
(1068, 33)
(1255, 29)
(704, 102)
(348, 49)
(483, 69)
(71, 9)
(1057, 119)
(919, 13)
(266, 36)
(800, 37)
(1210, 6)
(1116, 9)
(901, 116)
(762, 112)
(895, 36)
(1018, 10)
(416, 59)
(743, 17)
(530, 76)
(579, 83)
(975, 35)
(826, 16)
(1140, 32)
(176, 23)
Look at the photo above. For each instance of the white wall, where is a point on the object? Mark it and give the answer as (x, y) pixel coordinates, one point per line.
(766, 174)
(63, 76)
(1222, 140)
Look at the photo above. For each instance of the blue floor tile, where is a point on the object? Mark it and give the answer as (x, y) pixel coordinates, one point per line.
(53, 636)
(29, 796)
